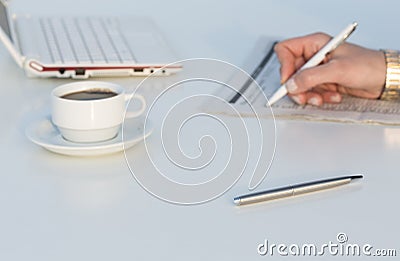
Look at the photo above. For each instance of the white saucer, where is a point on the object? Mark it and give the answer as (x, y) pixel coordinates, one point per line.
(46, 135)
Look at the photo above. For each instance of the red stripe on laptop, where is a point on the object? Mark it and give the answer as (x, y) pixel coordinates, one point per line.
(41, 68)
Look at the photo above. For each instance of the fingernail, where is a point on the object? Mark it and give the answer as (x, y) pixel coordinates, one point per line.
(313, 101)
(291, 86)
(296, 99)
(336, 98)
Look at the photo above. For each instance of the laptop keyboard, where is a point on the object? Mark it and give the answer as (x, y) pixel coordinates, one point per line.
(85, 40)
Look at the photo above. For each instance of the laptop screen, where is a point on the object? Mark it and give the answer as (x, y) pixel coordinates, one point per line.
(5, 26)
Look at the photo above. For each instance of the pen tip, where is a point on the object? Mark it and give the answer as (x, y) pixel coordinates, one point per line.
(236, 201)
(281, 92)
(357, 176)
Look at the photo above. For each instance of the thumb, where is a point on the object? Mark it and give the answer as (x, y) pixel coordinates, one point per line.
(307, 79)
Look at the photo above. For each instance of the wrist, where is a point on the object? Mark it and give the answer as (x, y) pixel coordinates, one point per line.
(391, 90)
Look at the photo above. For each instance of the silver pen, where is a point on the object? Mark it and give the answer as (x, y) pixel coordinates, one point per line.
(294, 190)
(316, 59)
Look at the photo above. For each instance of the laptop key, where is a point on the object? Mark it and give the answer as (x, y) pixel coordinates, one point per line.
(104, 39)
(113, 29)
(50, 40)
(89, 39)
(76, 40)
(63, 41)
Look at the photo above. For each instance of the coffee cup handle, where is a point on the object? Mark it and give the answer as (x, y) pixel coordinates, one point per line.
(133, 114)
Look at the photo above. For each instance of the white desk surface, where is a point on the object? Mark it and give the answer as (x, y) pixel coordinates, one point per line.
(56, 207)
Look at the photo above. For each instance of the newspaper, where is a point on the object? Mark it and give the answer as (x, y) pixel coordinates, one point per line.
(263, 66)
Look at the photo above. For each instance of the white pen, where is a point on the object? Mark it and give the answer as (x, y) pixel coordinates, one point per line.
(316, 59)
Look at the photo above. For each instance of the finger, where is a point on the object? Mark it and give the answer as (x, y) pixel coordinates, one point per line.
(309, 78)
(300, 99)
(329, 93)
(326, 87)
(292, 53)
(306, 45)
(331, 97)
(287, 60)
(314, 99)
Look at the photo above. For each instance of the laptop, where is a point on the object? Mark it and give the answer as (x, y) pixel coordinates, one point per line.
(83, 47)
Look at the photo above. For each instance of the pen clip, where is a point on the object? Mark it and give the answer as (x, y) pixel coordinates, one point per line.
(351, 31)
(353, 28)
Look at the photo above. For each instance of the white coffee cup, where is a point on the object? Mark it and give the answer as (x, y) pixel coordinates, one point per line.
(91, 120)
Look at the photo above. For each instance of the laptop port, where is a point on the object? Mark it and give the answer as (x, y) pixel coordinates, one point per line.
(138, 70)
(61, 70)
(80, 71)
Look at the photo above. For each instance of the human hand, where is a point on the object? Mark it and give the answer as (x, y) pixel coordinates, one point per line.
(349, 69)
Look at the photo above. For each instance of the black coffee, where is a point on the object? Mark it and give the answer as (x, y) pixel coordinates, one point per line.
(88, 95)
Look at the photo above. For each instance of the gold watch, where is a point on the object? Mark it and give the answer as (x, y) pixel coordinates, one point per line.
(391, 90)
